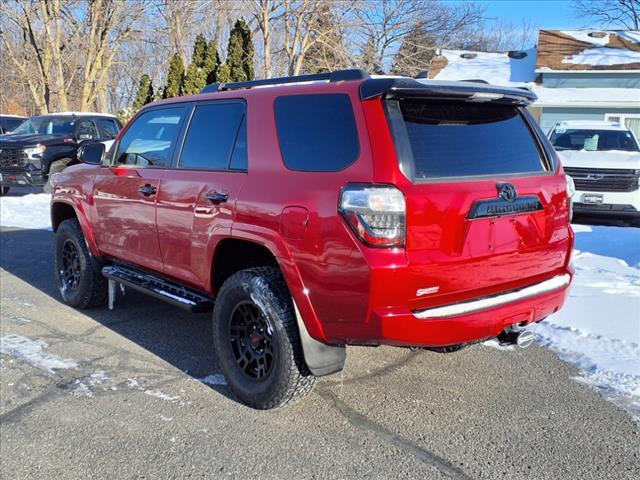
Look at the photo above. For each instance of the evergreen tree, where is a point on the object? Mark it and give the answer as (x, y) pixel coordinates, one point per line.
(175, 77)
(224, 74)
(212, 62)
(196, 76)
(240, 53)
(369, 58)
(415, 52)
(145, 93)
(324, 53)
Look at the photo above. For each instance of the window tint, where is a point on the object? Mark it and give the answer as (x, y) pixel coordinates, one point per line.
(593, 140)
(86, 130)
(47, 125)
(211, 135)
(149, 141)
(109, 127)
(317, 132)
(457, 139)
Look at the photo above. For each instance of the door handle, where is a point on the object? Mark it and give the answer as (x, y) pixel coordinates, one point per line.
(217, 197)
(148, 190)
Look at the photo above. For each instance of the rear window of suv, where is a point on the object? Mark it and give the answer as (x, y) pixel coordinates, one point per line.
(317, 133)
(440, 139)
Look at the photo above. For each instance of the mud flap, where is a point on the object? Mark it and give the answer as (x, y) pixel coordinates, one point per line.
(322, 359)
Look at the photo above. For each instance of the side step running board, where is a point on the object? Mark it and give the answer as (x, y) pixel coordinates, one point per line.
(171, 292)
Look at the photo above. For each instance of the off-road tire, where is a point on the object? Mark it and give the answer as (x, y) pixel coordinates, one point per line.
(4, 191)
(91, 288)
(288, 379)
(56, 167)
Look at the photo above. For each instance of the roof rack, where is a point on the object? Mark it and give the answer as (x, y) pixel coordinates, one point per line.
(337, 76)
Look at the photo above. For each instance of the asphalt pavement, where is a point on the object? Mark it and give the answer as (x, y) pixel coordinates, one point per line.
(141, 397)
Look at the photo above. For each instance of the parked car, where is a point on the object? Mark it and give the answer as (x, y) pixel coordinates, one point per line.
(603, 159)
(46, 144)
(8, 123)
(329, 210)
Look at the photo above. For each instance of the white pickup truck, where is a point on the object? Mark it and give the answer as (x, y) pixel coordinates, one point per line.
(603, 158)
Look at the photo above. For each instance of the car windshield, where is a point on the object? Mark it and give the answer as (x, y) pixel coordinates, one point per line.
(47, 125)
(593, 140)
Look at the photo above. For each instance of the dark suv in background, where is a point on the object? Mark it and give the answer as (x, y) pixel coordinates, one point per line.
(47, 144)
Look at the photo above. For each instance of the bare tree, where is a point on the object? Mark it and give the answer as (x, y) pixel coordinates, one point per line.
(384, 24)
(265, 13)
(610, 13)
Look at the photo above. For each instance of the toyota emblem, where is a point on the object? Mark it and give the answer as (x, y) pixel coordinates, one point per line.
(507, 192)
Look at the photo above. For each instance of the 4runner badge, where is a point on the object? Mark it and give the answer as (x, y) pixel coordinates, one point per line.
(507, 192)
(426, 291)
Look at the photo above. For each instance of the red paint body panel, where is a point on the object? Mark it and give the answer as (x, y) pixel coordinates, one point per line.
(345, 291)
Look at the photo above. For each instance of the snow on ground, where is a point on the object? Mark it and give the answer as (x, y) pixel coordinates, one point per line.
(603, 56)
(598, 330)
(32, 352)
(28, 211)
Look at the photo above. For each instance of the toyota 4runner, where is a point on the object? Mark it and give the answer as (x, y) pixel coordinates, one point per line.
(314, 212)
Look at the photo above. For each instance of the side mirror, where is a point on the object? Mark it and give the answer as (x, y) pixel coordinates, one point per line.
(92, 153)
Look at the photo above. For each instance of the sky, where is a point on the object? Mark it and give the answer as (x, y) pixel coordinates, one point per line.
(545, 14)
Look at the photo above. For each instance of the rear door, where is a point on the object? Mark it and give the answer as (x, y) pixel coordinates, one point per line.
(486, 209)
(125, 193)
(196, 201)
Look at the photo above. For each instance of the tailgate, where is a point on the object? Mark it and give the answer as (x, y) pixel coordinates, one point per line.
(486, 209)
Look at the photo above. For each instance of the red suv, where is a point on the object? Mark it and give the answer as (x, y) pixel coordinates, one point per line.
(318, 211)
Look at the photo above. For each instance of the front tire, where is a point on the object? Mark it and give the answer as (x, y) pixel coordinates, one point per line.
(79, 280)
(4, 191)
(56, 167)
(257, 341)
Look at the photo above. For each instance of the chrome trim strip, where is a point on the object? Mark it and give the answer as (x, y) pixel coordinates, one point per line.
(550, 285)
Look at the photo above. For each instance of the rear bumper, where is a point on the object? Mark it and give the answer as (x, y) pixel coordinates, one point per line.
(466, 322)
(20, 178)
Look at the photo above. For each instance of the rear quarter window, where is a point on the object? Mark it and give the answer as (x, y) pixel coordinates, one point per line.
(317, 132)
(439, 139)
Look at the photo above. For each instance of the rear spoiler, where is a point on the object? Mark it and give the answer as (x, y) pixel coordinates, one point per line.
(399, 87)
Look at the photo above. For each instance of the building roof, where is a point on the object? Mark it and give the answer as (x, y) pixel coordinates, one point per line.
(588, 50)
(499, 68)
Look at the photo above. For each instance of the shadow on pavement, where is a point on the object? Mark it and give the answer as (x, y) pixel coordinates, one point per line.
(182, 339)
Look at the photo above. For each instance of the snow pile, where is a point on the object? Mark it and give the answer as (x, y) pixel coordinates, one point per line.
(583, 36)
(32, 352)
(495, 68)
(598, 330)
(603, 56)
(630, 35)
(28, 211)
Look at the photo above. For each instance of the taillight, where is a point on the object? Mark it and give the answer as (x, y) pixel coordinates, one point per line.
(376, 213)
(571, 191)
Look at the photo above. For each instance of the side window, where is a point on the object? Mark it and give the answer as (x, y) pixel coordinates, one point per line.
(86, 130)
(211, 136)
(317, 132)
(109, 128)
(239, 156)
(150, 140)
